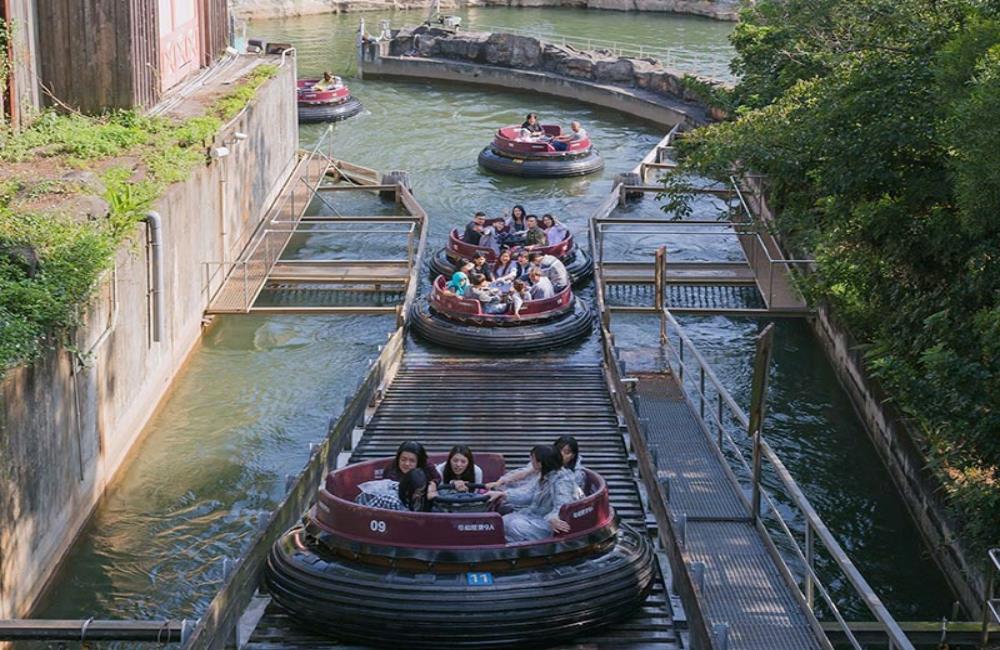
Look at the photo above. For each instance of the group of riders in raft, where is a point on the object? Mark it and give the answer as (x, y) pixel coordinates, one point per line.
(529, 498)
(517, 276)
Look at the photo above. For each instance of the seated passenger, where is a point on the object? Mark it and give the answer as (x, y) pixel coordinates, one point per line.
(416, 491)
(516, 222)
(495, 235)
(328, 81)
(523, 265)
(562, 142)
(505, 269)
(518, 296)
(532, 126)
(460, 469)
(474, 229)
(410, 493)
(534, 236)
(554, 488)
(409, 456)
(553, 268)
(555, 232)
(489, 298)
(569, 452)
(541, 287)
(459, 284)
(480, 266)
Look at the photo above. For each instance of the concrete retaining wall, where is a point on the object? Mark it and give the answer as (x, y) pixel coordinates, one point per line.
(901, 451)
(900, 448)
(634, 87)
(65, 430)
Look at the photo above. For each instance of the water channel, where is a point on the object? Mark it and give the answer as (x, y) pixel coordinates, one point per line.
(259, 389)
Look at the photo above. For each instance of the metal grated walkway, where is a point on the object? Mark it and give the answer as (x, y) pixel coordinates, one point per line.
(422, 403)
(743, 586)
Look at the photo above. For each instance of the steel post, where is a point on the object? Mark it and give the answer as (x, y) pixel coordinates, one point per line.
(758, 399)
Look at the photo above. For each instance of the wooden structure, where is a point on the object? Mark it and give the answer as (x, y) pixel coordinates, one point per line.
(360, 285)
(97, 55)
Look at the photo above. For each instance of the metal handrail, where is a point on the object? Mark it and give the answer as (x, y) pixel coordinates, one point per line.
(991, 605)
(815, 527)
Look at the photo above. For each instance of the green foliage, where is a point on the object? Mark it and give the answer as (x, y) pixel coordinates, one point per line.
(875, 121)
(228, 107)
(73, 253)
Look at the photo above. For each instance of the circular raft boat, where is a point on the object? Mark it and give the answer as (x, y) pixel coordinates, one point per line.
(578, 263)
(327, 105)
(448, 579)
(455, 322)
(511, 155)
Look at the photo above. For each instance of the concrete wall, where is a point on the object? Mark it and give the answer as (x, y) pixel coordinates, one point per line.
(637, 102)
(66, 430)
(718, 9)
(901, 451)
(900, 448)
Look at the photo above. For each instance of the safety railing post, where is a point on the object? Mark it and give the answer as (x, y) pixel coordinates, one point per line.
(992, 568)
(721, 426)
(246, 286)
(810, 565)
(659, 280)
(758, 398)
(680, 355)
(701, 391)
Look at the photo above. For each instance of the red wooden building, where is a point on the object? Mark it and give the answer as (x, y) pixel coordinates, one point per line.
(95, 55)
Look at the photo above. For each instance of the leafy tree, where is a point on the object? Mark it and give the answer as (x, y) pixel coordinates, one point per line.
(876, 124)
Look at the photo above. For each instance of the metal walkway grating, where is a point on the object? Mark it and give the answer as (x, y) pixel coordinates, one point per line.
(743, 586)
(681, 297)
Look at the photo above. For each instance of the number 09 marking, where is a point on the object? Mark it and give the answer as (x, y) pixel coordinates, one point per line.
(377, 526)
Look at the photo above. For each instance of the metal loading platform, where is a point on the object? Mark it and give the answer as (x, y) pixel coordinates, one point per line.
(268, 277)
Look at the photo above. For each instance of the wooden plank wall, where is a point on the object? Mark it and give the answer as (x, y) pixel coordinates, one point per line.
(23, 101)
(214, 19)
(98, 54)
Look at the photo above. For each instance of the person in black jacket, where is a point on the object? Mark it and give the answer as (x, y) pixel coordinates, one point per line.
(474, 229)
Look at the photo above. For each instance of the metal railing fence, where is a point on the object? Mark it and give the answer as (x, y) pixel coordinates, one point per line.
(729, 428)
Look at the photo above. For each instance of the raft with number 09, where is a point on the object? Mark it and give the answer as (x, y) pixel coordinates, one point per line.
(512, 155)
(436, 580)
(459, 322)
(325, 104)
(578, 263)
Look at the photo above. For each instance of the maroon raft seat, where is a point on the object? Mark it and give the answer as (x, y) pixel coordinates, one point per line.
(447, 303)
(337, 513)
(458, 248)
(306, 95)
(506, 141)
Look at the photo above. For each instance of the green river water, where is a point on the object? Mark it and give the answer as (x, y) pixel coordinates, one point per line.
(260, 389)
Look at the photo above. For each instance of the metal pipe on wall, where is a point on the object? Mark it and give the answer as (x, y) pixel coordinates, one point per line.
(154, 240)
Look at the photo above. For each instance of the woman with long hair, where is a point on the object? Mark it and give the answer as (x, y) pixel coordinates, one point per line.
(554, 488)
(460, 469)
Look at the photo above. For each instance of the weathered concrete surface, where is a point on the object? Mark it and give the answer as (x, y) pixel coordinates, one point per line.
(630, 101)
(639, 87)
(525, 53)
(900, 449)
(65, 429)
(717, 9)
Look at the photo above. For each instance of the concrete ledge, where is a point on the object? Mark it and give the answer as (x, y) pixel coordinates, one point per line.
(638, 103)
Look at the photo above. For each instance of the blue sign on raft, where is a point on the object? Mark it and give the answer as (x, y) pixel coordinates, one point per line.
(479, 579)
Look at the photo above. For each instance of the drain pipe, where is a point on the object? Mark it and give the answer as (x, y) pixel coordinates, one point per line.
(154, 241)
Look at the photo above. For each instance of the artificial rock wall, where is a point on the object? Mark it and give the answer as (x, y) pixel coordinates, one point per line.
(68, 422)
